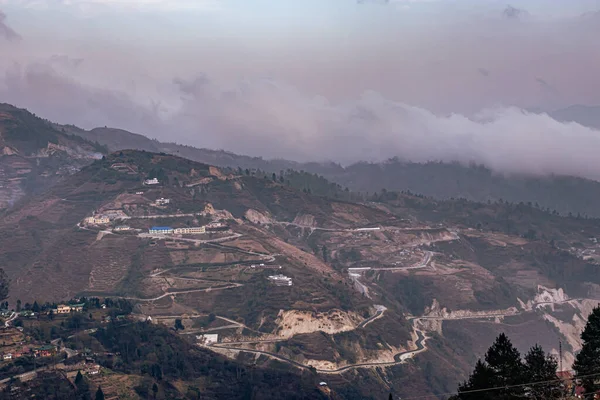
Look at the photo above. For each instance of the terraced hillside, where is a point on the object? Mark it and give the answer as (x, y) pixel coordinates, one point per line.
(374, 297)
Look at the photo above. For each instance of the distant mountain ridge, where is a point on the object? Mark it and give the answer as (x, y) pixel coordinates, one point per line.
(584, 115)
(440, 180)
(34, 154)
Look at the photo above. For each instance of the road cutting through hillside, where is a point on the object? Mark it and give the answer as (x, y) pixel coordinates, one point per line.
(175, 293)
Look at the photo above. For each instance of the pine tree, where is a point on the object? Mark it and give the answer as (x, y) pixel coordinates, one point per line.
(78, 378)
(155, 389)
(390, 398)
(483, 377)
(99, 394)
(587, 361)
(505, 360)
(501, 370)
(541, 367)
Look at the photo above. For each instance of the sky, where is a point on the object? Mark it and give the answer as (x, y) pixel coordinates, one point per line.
(314, 80)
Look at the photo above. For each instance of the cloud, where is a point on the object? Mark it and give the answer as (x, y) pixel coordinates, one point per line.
(266, 117)
(6, 31)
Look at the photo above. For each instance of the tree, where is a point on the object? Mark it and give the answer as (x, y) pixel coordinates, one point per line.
(78, 378)
(587, 361)
(390, 397)
(83, 388)
(35, 307)
(483, 377)
(99, 394)
(325, 253)
(274, 177)
(541, 367)
(18, 305)
(179, 325)
(501, 370)
(155, 389)
(504, 359)
(3, 285)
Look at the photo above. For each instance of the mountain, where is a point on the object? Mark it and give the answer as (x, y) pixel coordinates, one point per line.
(564, 194)
(582, 114)
(34, 155)
(400, 293)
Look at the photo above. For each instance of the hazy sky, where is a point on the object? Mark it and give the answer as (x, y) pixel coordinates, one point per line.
(316, 79)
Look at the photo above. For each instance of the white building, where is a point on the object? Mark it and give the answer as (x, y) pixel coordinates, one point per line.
(161, 230)
(122, 228)
(208, 338)
(162, 201)
(152, 181)
(97, 220)
(190, 230)
(280, 280)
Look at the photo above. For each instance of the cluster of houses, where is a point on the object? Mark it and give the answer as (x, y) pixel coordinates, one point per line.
(48, 350)
(280, 280)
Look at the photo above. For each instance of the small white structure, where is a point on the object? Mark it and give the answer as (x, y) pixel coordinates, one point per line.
(152, 181)
(322, 383)
(122, 228)
(280, 280)
(139, 193)
(162, 201)
(208, 338)
(8, 356)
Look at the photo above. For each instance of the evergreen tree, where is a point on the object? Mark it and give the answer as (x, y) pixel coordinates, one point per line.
(83, 388)
(483, 377)
(587, 361)
(99, 394)
(504, 359)
(390, 398)
(179, 325)
(78, 378)
(501, 370)
(155, 389)
(541, 367)
(35, 307)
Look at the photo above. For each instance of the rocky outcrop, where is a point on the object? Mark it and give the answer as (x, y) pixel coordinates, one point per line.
(293, 322)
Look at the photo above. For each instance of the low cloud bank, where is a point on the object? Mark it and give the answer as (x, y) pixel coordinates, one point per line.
(268, 118)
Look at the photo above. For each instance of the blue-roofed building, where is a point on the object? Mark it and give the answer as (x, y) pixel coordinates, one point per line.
(161, 230)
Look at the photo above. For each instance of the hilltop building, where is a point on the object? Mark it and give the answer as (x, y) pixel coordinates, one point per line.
(122, 228)
(280, 280)
(190, 230)
(152, 181)
(97, 220)
(161, 230)
(162, 201)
